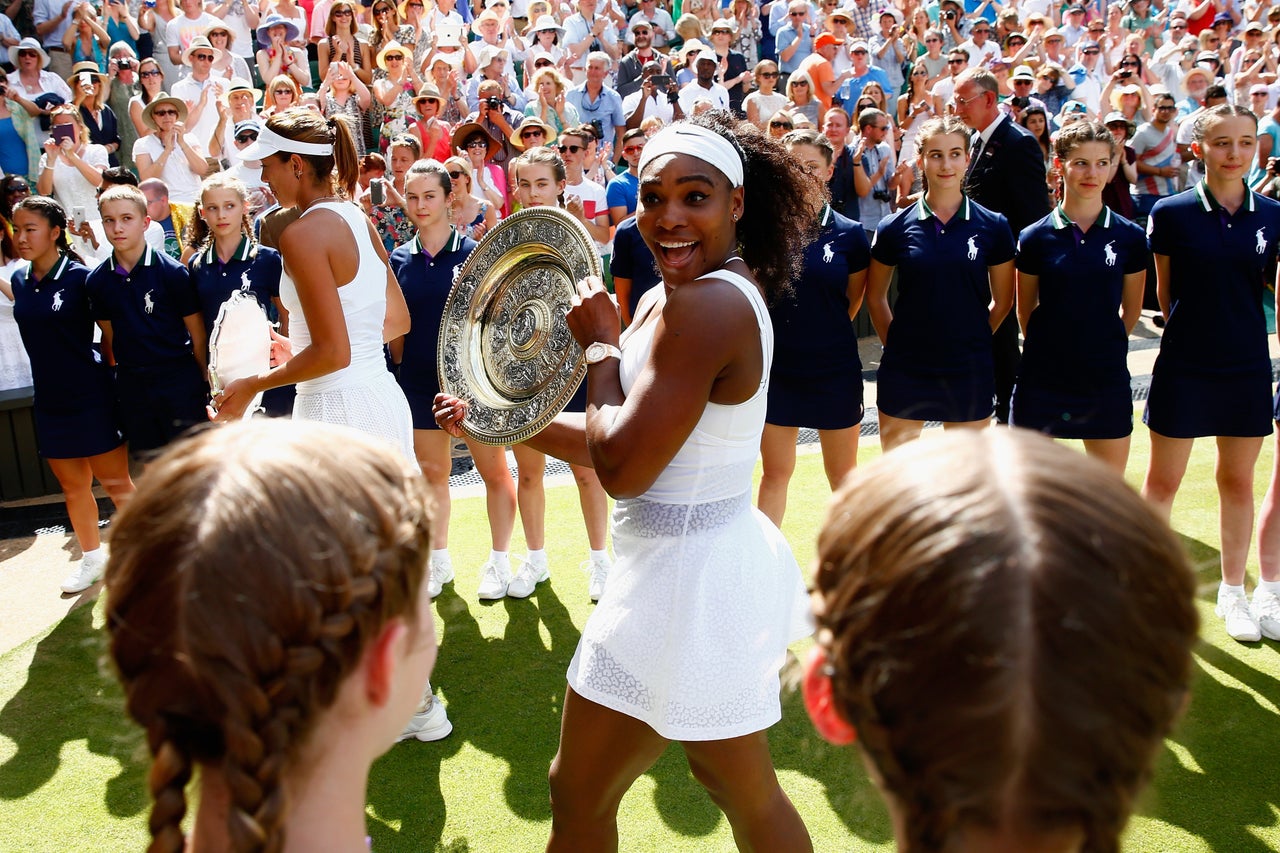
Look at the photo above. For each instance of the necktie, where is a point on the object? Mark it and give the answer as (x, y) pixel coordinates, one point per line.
(973, 159)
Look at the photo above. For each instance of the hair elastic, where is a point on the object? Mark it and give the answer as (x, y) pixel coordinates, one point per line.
(696, 141)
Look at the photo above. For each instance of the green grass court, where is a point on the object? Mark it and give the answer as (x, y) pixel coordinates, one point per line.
(72, 769)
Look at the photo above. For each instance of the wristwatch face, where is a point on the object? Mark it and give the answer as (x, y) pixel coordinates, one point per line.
(597, 352)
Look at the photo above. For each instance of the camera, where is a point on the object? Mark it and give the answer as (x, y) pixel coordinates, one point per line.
(882, 195)
(1021, 101)
(124, 63)
(598, 126)
(948, 15)
(494, 103)
(1126, 74)
(1273, 165)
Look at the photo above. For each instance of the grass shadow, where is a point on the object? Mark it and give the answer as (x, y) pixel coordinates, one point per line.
(70, 694)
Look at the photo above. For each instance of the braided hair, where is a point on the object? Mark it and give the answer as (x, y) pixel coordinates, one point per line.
(200, 235)
(247, 576)
(51, 211)
(964, 623)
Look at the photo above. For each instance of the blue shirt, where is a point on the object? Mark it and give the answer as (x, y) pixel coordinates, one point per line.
(812, 330)
(941, 319)
(1217, 279)
(788, 36)
(852, 88)
(607, 108)
(632, 260)
(13, 149)
(426, 281)
(56, 324)
(252, 267)
(146, 307)
(621, 191)
(1076, 334)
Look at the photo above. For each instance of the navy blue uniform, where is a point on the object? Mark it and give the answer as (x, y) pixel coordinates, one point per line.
(632, 260)
(426, 281)
(937, 363)
(1218, 265)
(160, 387)
(252, 267)
(1074, 377)
(75, 406)
(816, 377)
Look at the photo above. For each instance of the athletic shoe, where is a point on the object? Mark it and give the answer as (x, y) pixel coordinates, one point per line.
(1266, 612)
(1233, 607)
(431, 724)
(441, 574)
(599, 572)
(86, 575)
(527, 579)
(495, 576)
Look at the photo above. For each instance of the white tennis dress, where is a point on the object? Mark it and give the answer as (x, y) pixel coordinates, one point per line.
(705, 594)
(363, 395)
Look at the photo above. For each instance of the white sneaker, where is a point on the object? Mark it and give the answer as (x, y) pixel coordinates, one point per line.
(599, 575)
(441, 574)
(495, 575)
(1266, 612)
(1234, 610)
(431, 724)
(527, 579)
(86, 575)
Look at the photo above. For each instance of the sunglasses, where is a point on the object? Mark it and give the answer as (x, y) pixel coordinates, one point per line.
(383, 11)
(530, 134)
(219, 34)
(145, 74)
(859, 50)
(932, 40)
(543, 63)
(18, 189)
(571, 149)
(394, 57)
(477, 143)
(799, 82)
(27, 53)
(246, 137)
(342, 13)
(788, 125)
(203, 57)
(159, 113)
(798, 14)
(633, 149)
(1023, 82)
(1166, 108)
(456, 175)
(1130, 64)
(282, 91)
(1091, 53)
(771, 75)
(957, 62)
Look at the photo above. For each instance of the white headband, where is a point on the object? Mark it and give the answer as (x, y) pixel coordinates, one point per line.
(696, 141)
(269, 142)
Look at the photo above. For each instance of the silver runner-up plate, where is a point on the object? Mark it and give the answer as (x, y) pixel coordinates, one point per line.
(505, 347)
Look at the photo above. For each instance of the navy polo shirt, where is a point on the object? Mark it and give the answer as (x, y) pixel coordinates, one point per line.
(426, 281)
(252, 267)
(56, 324)
(632, 260)
(940, 321)
(1217, 278)
(811, 326)
(145, 307)
(1077, 328)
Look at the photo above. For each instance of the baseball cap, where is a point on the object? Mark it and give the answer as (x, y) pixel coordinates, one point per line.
(826, 39)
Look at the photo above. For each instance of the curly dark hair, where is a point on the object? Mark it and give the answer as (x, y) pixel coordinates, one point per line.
(780, 208)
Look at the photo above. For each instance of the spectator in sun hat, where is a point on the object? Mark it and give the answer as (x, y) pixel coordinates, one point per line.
(1073, 27)
(435, 132)
(276, 56)
(232, 62)
(1195, 83)
(704, 84)
(171, 153)
(185, 28)
(1087, 74)
(819, 68)
(494, 63)
(201, 89)
(1072, 110)
(31, 78)
(532, 133)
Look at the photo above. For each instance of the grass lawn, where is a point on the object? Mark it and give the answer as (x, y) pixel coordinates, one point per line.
(72, 769)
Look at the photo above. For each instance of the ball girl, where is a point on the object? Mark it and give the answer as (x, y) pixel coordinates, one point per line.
(1211, 246)
(955, 286)
(425, 267)
(540, 181)
(77, 429)
(816, 377)
(269, 625)
(1081, 272)
(1023, 768)
(224, 257)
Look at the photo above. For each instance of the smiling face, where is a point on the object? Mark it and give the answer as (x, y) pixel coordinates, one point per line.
(1228, 147)
(425, 200)
(222, 209)
(686, 213)
(33, 236)
(943, 159)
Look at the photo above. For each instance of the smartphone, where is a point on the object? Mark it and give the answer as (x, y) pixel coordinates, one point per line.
(377, 194)
(86, 80)
(61, 132)
(661, 81)
(78, 215)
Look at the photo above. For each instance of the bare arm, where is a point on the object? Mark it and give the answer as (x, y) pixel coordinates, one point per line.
(1163, 284)
(1001, 294)
(878, 278)
(395, 324)
(856, 291)
(1135, 285)
(1029, 298)
(199, 341)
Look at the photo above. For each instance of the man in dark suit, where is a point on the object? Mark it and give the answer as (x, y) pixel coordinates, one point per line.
(1006, 174)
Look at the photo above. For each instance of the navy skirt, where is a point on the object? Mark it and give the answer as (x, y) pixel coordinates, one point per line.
(948, 397)
(1184, 405)
(828, 401)
(1101, 414)
(79, 434)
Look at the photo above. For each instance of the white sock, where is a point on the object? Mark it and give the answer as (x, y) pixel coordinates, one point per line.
(601, 556)
(503, 558)
(96, 555)
(1272, 587)
(440, 555)
(1225, 588)
(538, 557)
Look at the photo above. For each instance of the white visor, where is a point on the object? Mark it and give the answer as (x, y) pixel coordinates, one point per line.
(269, 142)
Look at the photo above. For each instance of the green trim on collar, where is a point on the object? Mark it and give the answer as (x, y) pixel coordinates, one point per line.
(923, 211)
(1061, 220)
(1209, 204)
(453, 244)
(243, 251)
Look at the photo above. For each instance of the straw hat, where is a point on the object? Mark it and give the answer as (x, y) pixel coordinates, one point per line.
(393, 46)
(532, 121)
(470, 128)
(147, 112)
(200, 43)
(87, 66)
(239, 84)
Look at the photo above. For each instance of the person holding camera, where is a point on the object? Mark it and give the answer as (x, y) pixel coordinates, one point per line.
(90, 90)
(122, 76)
(873, 169)
(952, 24)
(71, 167)
(658, 96)
(498, 119)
